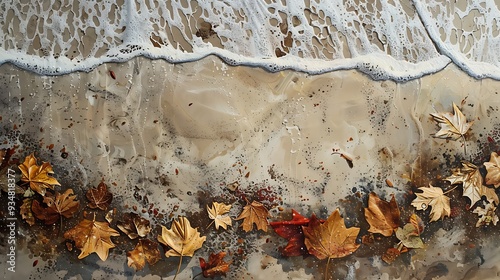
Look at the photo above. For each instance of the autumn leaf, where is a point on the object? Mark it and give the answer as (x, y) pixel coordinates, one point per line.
(254, 213)
(134, 225)
(472, 181)
(487, 215)
(145, 250)
(435, 198)
(26, 212)
(292, 231)
(92, 237)
(216, 213)
(331, 239)
(409, 237)
(493, 169)
(452, 126)
(99, 197)
(38, 177)
(59, 205)
(382, 216)
(216, 266)
(182, 239)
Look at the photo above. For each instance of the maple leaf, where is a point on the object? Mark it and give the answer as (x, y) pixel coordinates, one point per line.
(26, 212)
(58, 206)
(382, 216)
(435, 198)
(92, 237)
(472, 182)
(216, 265)
(215, 213)
(292, 231)
(493, 169)
(452, 126)
(99, 197)
(145, 250)
(487, 215)
(182, 239)
(38, 177)
(134, 225)
(254, 213)
(331, 239)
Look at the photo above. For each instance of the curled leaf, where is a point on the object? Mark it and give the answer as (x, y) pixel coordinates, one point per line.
(493, 169)
(216, 266)
(292, 231)
(134, 225)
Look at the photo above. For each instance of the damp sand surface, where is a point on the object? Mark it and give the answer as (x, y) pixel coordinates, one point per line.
(168, 139)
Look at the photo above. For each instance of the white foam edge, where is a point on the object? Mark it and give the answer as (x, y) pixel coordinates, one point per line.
(478, 70)
(377, 65)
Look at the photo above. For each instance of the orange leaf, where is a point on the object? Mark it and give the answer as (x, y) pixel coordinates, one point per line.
(37, 176)
(92, 237)
(382, 216)
(254, 213)
(330, 239)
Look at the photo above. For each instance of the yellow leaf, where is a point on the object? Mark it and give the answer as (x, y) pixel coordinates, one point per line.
(254, 213)
(382, 216)
(216, 213)
(181, 238)
(37, 176)
(92, 237)
(493, 169)
(435, 198)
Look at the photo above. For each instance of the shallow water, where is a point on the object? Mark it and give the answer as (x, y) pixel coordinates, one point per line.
(169, 139)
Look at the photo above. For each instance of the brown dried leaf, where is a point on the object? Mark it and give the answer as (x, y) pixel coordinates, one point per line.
(181, 238)
(434, 197)
(330, 239)
(99, 197)
(254, 213)
(26, 212)
(216, 265)
(134, 226)
(60, 205)
(145, 250)
(382, 216)
(37, 176)
(216, 213)
(92, 237)
(493, 169)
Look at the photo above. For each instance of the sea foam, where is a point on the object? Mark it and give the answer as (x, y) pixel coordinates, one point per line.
(398, 40)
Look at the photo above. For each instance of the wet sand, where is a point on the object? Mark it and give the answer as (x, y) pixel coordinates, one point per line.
(183, 134)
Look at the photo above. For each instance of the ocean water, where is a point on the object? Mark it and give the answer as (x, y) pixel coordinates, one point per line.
(178, 104)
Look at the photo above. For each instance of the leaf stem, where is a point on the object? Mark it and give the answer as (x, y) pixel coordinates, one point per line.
(326, 268)
(179, 266)
(210, 224)
(456, 186)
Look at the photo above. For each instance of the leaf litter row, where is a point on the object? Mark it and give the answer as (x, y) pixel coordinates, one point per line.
(324, 239)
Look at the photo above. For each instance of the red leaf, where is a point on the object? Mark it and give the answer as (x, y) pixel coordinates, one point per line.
(292, 231)
(216, 266)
